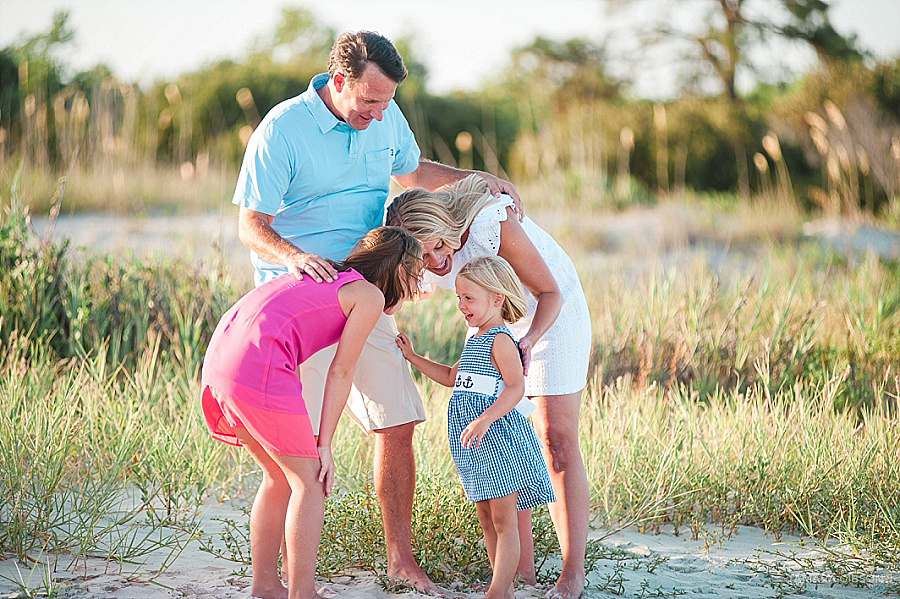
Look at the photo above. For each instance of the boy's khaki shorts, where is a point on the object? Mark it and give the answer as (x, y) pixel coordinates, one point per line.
(383, 392)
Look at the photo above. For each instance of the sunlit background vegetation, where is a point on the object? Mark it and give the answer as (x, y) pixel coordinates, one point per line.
(743, 373)
(827, 137)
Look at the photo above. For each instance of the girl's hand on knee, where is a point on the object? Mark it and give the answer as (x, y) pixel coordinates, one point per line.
(326, 474)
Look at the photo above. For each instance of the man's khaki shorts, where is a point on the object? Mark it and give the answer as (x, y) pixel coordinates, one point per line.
(383, 392)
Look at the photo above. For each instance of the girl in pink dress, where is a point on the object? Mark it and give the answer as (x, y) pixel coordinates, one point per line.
(252, 395)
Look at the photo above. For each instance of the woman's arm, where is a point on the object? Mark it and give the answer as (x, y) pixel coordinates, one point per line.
(363, 305)
(517, 249)
(439, 373)
(505, 357)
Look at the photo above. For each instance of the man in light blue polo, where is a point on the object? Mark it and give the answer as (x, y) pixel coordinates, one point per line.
(314, 180)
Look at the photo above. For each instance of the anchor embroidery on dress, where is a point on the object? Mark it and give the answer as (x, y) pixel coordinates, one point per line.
(466, 383)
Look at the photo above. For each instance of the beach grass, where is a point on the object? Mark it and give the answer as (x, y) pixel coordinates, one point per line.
(755, 384)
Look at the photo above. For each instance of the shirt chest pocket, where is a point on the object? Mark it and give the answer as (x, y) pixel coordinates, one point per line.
(378, 168)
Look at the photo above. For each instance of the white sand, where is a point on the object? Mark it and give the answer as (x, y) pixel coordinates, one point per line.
(643, 565)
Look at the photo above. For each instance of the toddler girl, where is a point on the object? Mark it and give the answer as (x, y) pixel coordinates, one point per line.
(497, 453)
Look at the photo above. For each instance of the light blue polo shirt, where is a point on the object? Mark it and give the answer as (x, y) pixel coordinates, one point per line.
(324, 182)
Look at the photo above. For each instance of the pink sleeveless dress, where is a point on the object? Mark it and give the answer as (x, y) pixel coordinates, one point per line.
(249, 377)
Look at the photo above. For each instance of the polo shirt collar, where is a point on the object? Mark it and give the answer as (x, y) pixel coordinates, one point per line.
(324, 117)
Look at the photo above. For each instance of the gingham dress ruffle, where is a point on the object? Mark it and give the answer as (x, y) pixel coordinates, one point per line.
(508, 459)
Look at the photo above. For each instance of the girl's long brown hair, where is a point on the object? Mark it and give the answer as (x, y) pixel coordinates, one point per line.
(391, 259)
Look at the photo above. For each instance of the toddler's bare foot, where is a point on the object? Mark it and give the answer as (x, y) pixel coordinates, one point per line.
(500, 595)
(269, 592)
(529, 579)
(570, 588)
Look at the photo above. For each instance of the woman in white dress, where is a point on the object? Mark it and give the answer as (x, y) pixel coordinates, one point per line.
(461, 221)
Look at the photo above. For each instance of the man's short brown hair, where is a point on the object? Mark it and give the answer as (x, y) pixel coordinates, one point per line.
(353, 51)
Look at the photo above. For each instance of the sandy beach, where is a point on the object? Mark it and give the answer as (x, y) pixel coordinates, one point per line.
(749, 564)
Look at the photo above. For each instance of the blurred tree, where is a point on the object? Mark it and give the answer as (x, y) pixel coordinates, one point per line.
(10, 98)
(417, 78)
(575, 68)
(726, 36)
(490, 123)
(89, 80)
(298, 38)
(31, 75)
(555, 89)
(44, 70)
(810, 23)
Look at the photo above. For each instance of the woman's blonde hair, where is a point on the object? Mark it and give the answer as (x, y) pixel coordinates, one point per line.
(441, 215)
(495, 275)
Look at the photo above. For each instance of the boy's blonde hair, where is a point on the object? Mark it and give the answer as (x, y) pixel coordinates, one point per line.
(494, 274)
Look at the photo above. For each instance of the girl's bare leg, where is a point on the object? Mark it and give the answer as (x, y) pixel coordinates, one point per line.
(303, 526)
(267, 519)
(506, 553)
(556, 423)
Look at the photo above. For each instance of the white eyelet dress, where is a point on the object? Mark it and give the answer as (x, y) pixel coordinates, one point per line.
(559, 360)
(508, 458)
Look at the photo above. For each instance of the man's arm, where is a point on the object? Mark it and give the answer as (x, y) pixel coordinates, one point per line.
(256, 232)
(431, 175)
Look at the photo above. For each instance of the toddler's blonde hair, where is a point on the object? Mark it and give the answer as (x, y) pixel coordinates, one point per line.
(494, 274)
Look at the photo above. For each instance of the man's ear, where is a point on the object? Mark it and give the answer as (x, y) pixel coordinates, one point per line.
(339, 81)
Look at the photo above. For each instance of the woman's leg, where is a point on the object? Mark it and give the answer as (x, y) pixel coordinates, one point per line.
(506, 553)
(266, 521)
(303, 526)
(526, 548)
(556, 423)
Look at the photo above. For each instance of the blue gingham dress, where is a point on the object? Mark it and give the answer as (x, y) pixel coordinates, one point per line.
(508, 458)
